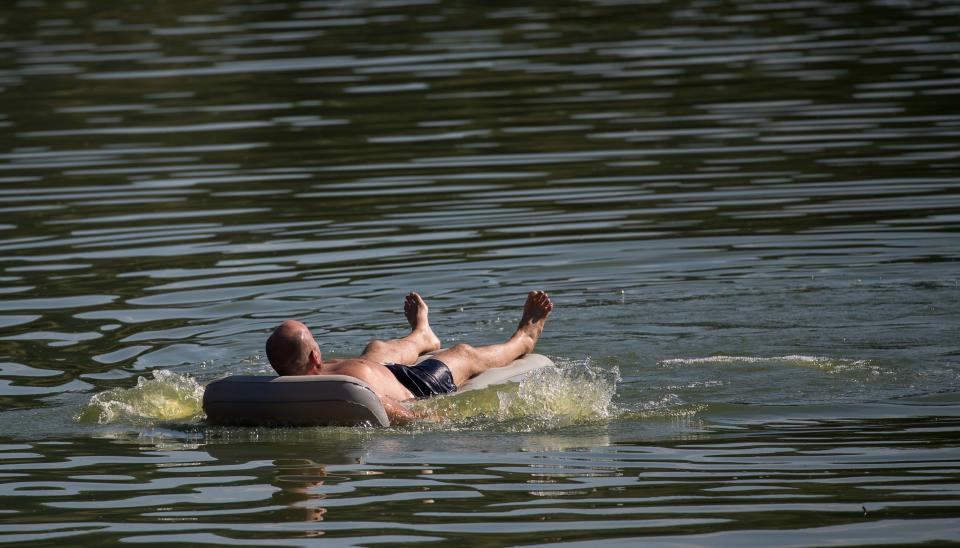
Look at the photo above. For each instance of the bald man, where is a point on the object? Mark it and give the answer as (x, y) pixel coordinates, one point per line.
(387, 366)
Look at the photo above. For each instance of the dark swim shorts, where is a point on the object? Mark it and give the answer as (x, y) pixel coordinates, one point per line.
(431, 377)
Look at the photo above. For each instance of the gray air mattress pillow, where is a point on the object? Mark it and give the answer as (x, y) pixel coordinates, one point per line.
(323, 400)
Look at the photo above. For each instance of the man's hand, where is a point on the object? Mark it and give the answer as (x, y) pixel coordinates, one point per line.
(398, 413)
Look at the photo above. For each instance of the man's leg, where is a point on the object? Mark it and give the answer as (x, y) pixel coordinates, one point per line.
(406, 350)
(466, 362)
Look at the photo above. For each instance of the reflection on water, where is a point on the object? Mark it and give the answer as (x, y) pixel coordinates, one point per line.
(749, 210)
(799, 482)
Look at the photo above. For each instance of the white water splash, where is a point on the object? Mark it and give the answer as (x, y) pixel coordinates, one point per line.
(167, 396)
(553, 397)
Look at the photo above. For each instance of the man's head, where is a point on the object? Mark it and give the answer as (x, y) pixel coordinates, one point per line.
(292, 350)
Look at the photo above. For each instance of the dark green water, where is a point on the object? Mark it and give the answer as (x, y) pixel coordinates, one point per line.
(747, 213)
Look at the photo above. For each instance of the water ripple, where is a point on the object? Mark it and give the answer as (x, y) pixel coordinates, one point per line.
(748, 209)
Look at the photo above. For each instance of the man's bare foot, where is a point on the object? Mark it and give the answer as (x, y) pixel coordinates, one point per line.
(535, 312)
(416, 311)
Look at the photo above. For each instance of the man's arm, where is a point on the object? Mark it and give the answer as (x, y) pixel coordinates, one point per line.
(398, 413)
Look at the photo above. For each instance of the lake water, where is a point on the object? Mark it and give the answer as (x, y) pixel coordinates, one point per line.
(747, 214)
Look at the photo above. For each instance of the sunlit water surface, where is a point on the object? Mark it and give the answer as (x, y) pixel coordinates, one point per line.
(747, 214)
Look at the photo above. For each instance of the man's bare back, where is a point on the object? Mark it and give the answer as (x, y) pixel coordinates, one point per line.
(292, 350)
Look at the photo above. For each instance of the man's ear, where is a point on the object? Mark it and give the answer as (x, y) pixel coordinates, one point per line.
(315, 359)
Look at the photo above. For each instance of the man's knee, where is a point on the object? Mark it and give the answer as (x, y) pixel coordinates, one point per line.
(456, 355)
(375, 346)
(464, 349)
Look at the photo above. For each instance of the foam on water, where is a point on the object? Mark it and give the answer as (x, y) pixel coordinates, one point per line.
(830, 365)
(167, 396)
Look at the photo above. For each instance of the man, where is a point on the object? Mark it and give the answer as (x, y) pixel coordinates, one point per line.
(387, 366)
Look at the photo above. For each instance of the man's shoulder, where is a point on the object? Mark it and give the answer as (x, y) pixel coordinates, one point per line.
(363, 369)
(349, 363)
